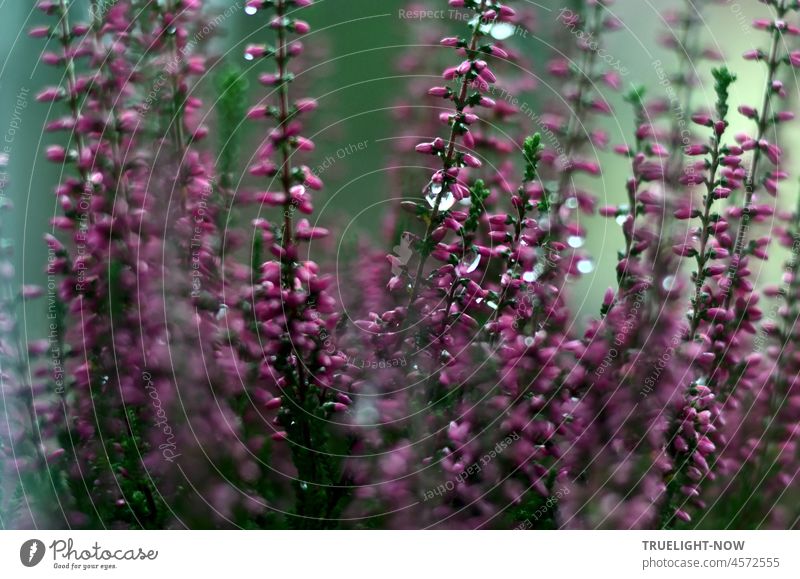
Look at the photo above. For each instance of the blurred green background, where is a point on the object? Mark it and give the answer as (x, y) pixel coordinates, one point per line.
(356, 80)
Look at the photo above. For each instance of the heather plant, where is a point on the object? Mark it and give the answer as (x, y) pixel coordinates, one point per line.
(210, 363)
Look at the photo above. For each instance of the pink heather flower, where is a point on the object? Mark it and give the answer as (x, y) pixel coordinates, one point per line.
(463, 343)
(256, 51)
(306, 105)
(51, 94)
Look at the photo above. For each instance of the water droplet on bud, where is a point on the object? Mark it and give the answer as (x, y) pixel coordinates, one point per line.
(446, 201)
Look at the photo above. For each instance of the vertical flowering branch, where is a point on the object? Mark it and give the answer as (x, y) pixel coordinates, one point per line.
(448, 325)
(108, 272)
(765, 118)
(646, 167)
(690, 448)
(81, 199)
(718, 158)
(290, 305)
(688, 47)
(176, 37)
(689, 439)
(535, 407)
(727, 368)
(523, 234)
(474, 77)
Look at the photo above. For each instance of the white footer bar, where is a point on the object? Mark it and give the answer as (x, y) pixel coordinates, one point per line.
(410, 555)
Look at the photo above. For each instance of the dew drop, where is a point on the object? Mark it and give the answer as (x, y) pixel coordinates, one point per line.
(621, 219)
(544, 223)
(485, 28)
(528, 341)
(250, 10)
(471, 261)
(446, 201)
(571, 203)
(248, 56)
(668, 283)
(367, 414)
(502, 30)
(576, 241)
(534, 274)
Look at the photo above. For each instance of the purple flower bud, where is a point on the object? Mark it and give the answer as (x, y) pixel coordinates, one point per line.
(685, 212)
(702, 120)
(301, 27)
(471, 161)
(256, 50)
(56, 153)
(694, 150)
(440, 91)
(39, 32)
(748, 111)
(30, 292)
(273, 404)
(721, 192)
(51, 94)
(753, 55)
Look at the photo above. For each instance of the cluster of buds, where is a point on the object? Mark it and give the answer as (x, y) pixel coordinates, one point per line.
(472, 79)
(692, 445)
(720, 173)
